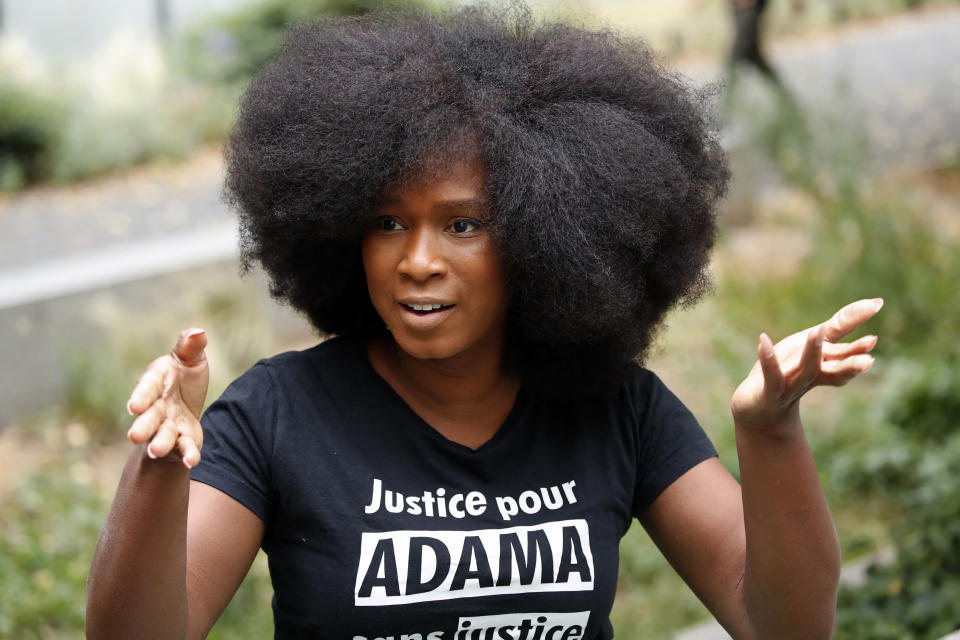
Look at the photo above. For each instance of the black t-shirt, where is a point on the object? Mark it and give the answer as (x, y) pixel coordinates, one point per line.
(379, 527)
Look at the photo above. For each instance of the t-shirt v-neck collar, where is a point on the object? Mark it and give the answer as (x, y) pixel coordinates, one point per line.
(418, 424)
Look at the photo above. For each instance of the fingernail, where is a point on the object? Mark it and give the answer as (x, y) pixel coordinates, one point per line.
(765, 347)
(878, 303)
(193, 332)
(129, 410)
(187, 464)
(150, 454)
(873, 343)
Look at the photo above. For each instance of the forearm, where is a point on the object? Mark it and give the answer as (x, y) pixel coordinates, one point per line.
(137, 581)
(793, 556)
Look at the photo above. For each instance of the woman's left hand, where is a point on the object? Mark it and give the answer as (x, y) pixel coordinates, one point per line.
(770, 395)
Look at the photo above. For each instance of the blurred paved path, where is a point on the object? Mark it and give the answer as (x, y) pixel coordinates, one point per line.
(902, 74)
(144, 222)
(900, 78)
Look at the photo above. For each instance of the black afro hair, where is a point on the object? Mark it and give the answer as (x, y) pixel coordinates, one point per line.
(603, 172)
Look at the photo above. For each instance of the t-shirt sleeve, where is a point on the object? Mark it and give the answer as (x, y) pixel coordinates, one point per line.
(670, 440)
(238, 432)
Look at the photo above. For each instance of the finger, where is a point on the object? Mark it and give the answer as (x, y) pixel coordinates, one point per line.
(850, 317)
(194, 371)
(149, 387)
(164, 440)
(809, 366)
(773, 382)
(147, 423)
(189, 451)
(190, 346)
(840, 372)
(841, 350)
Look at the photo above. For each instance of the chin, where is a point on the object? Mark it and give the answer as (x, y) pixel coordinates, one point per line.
(426, 348)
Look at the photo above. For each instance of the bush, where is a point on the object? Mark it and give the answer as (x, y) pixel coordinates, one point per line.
(29, 125)
(915, 597)
(134, 103)
(871, 240)
(50, 525)
(103, 363)
(231, 47)
(928, 409)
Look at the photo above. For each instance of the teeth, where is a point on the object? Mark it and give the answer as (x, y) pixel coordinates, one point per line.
(425, 307)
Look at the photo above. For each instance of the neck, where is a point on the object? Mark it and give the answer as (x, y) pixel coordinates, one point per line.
(466, 398)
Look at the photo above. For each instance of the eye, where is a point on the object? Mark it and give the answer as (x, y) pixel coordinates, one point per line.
(387, 223)
(466, 225)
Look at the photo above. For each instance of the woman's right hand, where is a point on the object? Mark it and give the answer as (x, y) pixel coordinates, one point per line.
(168, 400)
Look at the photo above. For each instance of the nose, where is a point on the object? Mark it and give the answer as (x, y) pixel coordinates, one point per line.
(422, 257)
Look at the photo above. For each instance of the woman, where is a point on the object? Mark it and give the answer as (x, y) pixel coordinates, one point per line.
(493, 216)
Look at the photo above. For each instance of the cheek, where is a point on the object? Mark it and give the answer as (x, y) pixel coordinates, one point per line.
(489, 277)
(375, 266)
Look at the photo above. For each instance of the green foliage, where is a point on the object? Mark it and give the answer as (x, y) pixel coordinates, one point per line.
(50, 525)
(652, 600)
(916, 596)
(231, 47)
(98, 386)
(901, 448)
(928, 406)
(892, 441)
(868, 240)
(99, 138)
(102, 372)
(29, 122)
(249, 614)
(146, 105)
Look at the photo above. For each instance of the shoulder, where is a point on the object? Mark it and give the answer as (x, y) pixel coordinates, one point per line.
(638, 400)
(274, 381)
(642, 394)
(334, 357)
(330, 352)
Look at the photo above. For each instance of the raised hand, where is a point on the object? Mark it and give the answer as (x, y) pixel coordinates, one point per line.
(168, 399)
(784, 372)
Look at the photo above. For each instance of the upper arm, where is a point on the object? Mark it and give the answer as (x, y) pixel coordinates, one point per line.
(222, 540)
(697, 522)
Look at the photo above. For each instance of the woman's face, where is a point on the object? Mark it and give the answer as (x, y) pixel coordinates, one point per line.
(431, 269)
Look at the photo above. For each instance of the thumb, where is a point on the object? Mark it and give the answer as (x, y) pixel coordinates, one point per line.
(194, 370)
(189, 348)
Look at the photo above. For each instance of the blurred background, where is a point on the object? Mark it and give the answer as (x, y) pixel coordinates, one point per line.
(842, 122)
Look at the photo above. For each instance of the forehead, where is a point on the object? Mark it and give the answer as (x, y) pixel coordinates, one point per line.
(460, 180)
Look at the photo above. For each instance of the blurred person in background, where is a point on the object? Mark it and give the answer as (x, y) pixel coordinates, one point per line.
(747, 49)
(492, 216)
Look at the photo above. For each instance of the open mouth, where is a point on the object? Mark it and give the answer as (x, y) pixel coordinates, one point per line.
(425, 309)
